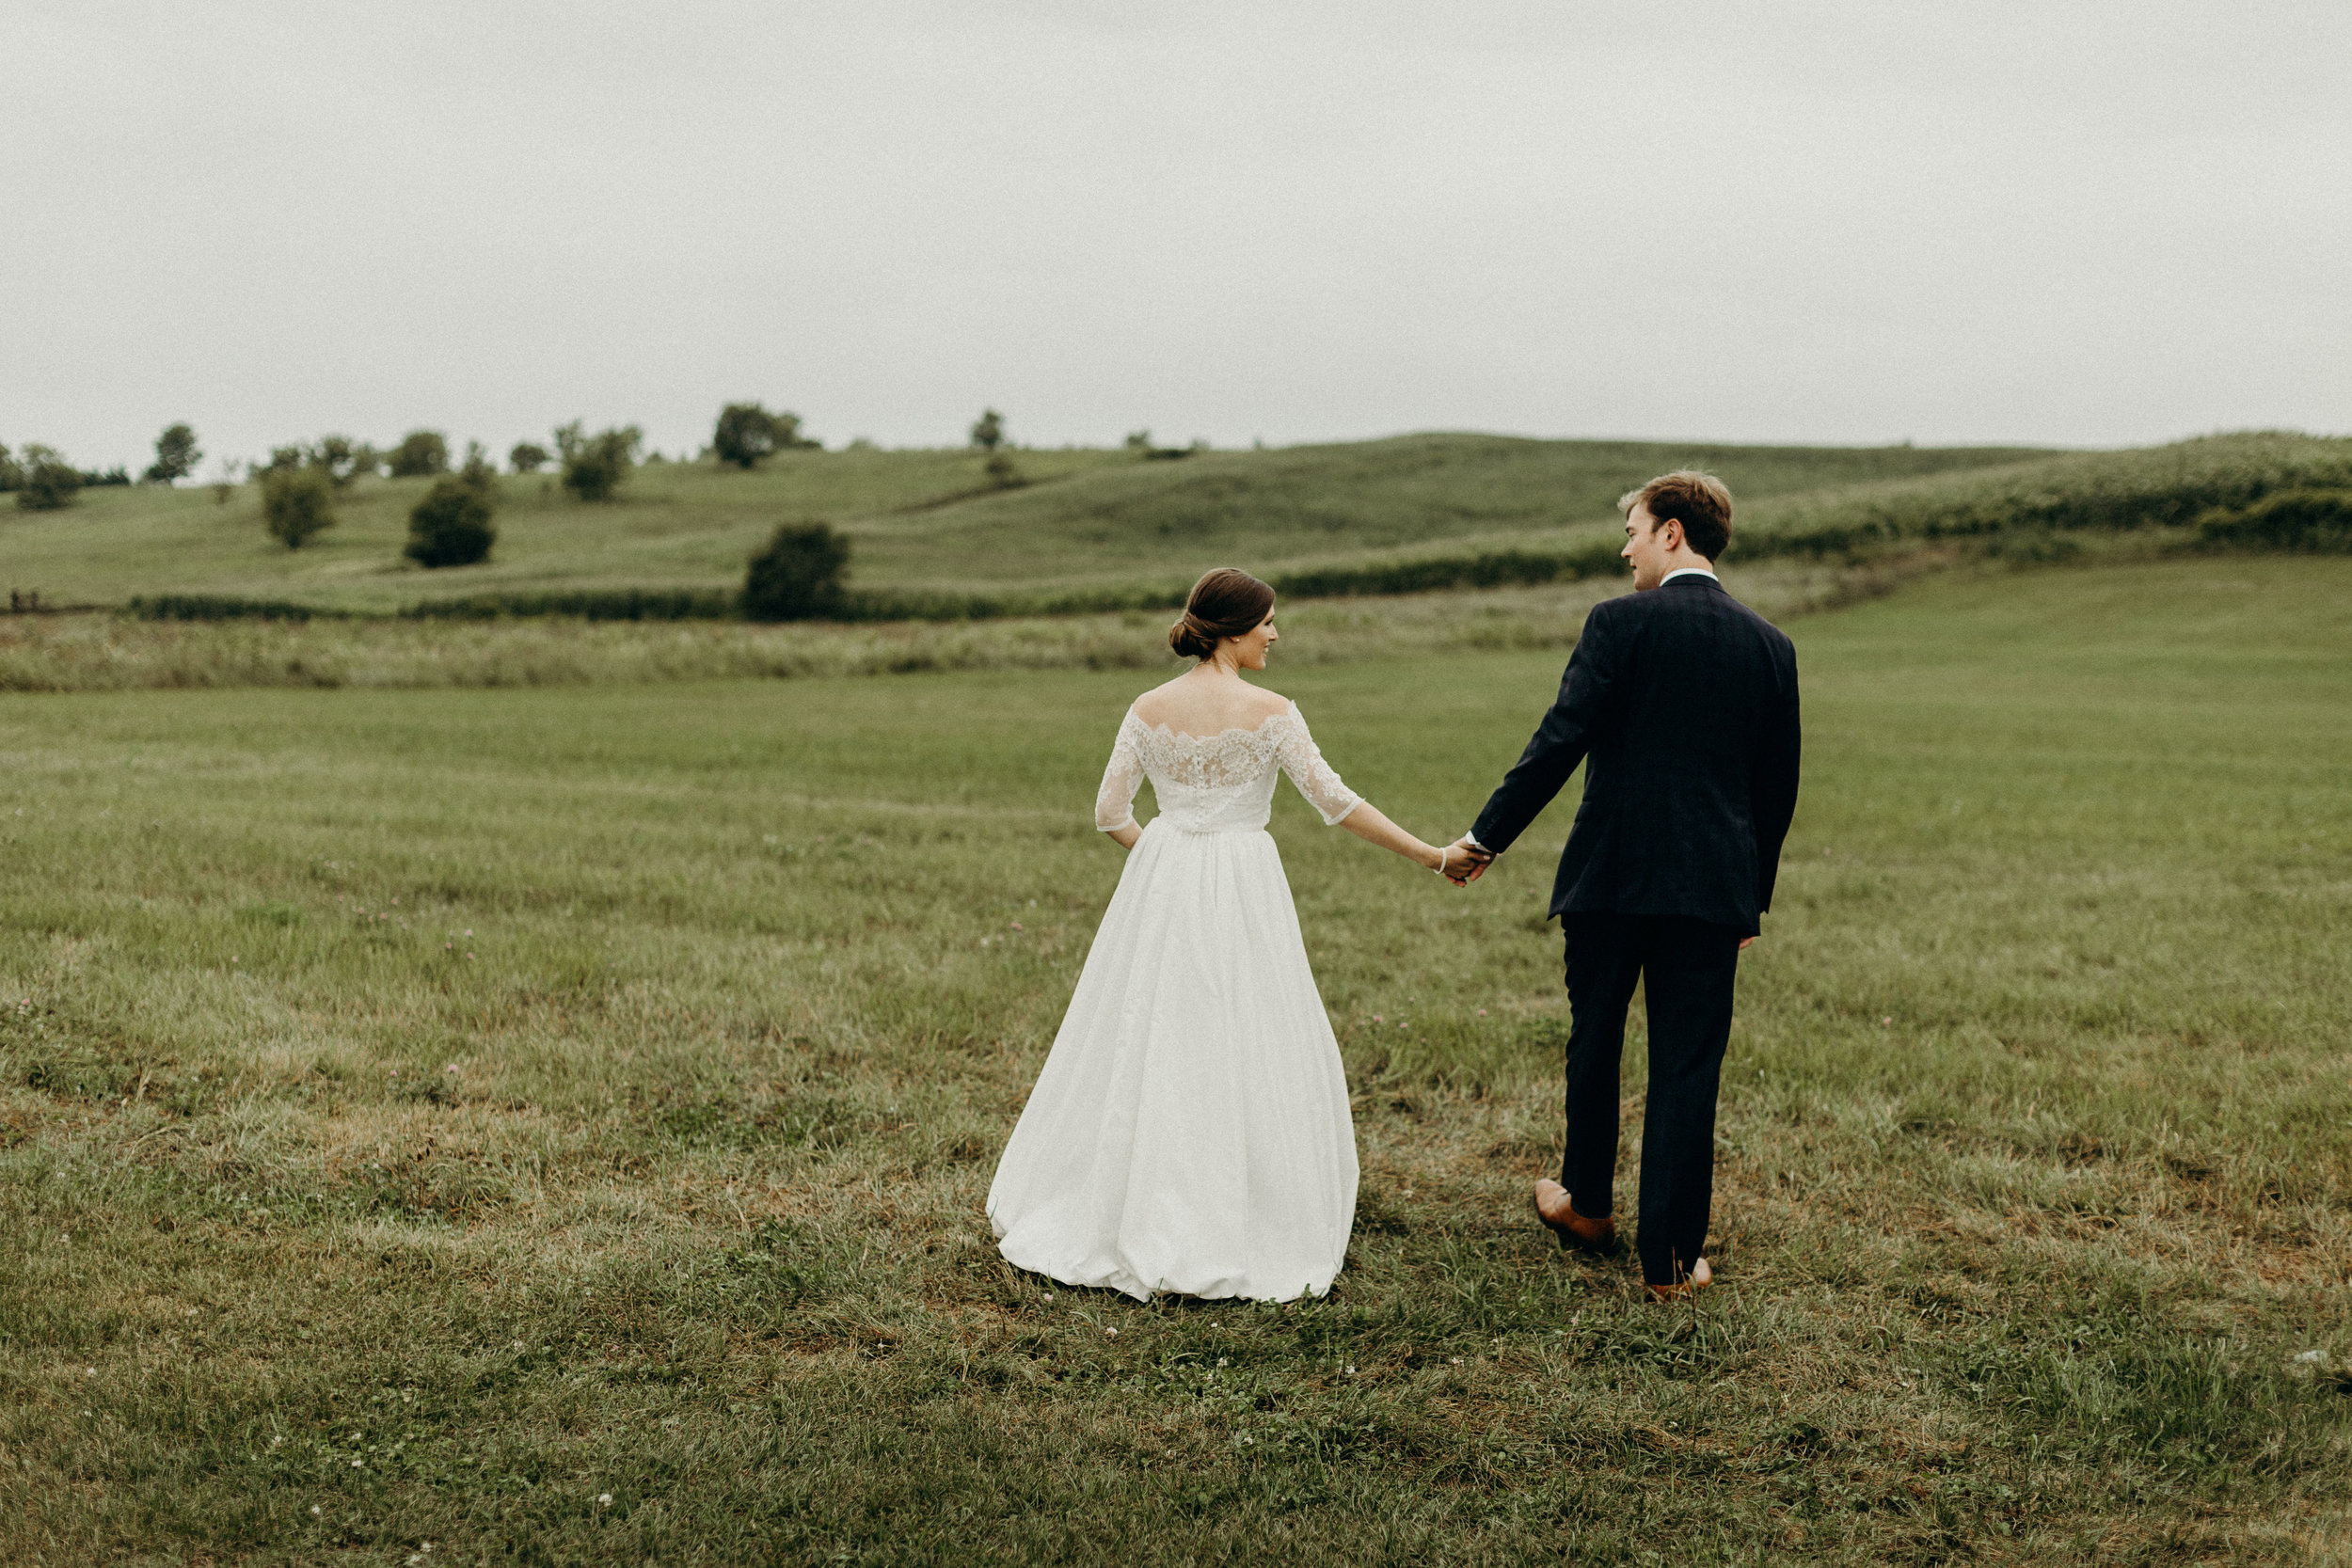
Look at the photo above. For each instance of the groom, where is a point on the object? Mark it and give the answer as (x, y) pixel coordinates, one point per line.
(1682, 703)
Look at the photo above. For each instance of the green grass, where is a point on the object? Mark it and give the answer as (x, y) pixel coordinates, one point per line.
(541, 1094)
(921, 521)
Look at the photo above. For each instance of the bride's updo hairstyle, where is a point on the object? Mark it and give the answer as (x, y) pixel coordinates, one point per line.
(1228, 602)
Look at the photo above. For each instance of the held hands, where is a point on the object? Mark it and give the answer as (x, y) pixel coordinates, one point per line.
(1463, 862)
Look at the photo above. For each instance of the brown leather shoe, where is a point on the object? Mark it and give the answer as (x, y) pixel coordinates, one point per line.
(1574, 1231)
(1699, 1278)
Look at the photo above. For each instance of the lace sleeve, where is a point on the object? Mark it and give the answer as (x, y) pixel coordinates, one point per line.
(1115, 803)
(1296, 749)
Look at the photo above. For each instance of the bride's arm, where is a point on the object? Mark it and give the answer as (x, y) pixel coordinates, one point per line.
(1114, 801)
(1369, 823)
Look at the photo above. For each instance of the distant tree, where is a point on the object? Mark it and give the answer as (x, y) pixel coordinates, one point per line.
(595, 466)
(479, 471)
(797, 575)
(745, 433)
(527, 457)
(297, 500)
(116, 475)
(451, 526)
(1138, 440)
(337, 455)
(226, 485)
(789, 436)
(988, 432)
(420, 454)
(11, 471)
(50, 483)
(176, 455)
(366, 462)
(1001, 471)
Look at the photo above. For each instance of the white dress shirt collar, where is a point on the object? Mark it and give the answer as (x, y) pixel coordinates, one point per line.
(1689, 571)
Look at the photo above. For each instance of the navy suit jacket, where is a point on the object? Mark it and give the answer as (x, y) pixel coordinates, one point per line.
(1681, 702)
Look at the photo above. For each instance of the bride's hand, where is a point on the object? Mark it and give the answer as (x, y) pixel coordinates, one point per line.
(1464, 861)
(1455, 864)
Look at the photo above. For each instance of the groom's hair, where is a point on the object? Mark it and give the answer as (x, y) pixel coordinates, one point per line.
(1696, 500)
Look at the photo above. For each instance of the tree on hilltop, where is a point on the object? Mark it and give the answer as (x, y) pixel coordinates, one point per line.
(595, 466)
(339, 455)
(50, 483)
(745, 433)
(527, 457)
(176, 455)
(988, 432)
(421, 454)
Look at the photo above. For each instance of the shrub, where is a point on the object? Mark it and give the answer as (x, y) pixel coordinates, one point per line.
(797, 575)
(297, 500)
(745, 433)
(988, 432)
(11, 471)
(1001, 471)
(451, 526)
(2302, 519)
(116, 475)
(176, 455)
(527, 457)
(49, 481)
(595, 466)
(420, 454)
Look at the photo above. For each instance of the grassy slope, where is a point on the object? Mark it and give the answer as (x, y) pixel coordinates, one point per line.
(1092, 517)
(2037, 1148)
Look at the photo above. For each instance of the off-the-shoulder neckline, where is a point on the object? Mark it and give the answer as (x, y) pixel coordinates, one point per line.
(1289, 709)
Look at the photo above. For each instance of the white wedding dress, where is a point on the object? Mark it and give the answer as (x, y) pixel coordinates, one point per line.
(1190, 1130)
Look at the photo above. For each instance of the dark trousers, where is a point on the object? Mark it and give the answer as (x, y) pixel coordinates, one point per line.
(1688, 966)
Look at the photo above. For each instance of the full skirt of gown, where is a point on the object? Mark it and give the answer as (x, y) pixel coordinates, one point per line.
(1190, 1132)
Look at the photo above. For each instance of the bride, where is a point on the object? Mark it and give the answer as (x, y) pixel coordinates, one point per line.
(1190, 1132)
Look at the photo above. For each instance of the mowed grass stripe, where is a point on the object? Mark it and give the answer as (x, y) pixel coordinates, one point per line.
(2036, 1132)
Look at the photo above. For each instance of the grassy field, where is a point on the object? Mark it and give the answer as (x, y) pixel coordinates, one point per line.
(551, 1125)
(920, 520)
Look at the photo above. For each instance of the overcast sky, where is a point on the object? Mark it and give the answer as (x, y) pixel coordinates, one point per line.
(1852, 223)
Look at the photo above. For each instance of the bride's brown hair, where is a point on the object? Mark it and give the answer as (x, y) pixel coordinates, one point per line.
(1227, 602)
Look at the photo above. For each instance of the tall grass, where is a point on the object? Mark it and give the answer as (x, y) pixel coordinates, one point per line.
(92, 653)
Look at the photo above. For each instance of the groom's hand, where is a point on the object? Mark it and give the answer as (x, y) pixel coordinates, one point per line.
(1473, 857)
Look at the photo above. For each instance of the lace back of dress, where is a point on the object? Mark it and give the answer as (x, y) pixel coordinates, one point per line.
(1207, 761)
